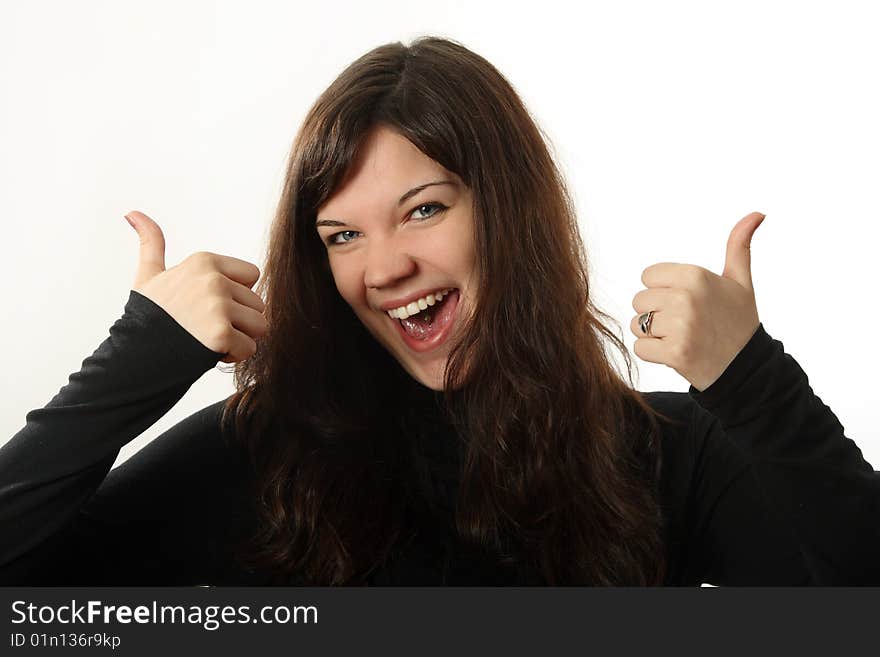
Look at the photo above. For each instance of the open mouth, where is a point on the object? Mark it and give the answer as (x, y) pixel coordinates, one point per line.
(430, 327)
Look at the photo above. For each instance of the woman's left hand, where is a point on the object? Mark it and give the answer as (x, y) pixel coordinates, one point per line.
(701, 320)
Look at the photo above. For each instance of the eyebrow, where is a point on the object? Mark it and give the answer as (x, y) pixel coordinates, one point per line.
(403, 199)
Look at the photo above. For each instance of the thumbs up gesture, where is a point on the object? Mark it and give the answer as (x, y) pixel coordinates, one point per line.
(209, 295)
(701, 320)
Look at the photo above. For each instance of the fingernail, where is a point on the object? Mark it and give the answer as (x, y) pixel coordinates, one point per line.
(129, 220)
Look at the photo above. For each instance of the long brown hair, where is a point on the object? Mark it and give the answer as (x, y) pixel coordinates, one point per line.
(561, 457)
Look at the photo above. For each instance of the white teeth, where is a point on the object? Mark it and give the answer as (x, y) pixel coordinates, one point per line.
(418, 305)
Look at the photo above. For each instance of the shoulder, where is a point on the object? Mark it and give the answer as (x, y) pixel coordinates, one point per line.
(678, 405)
(686, 419)
(677, 412)
(179, 503)
(692, 440)
(195, 433)
(192, 453)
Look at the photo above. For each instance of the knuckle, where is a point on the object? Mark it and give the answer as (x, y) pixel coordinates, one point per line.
(200, 258)
(683, 331)
(216, 308)
(681, 354)
(216, 282)
(698, 277)
(635, 301)
(258, 330)
(223, 335)
(692, 304)
(685, 298)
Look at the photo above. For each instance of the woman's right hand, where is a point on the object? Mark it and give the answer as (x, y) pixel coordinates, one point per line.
(209, 295)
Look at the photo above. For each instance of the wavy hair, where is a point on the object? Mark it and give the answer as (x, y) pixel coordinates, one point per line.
(561, 455)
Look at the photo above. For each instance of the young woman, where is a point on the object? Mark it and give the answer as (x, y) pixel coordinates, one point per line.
(426, 395)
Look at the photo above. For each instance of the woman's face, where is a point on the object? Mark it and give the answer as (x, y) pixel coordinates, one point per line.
(402, 251)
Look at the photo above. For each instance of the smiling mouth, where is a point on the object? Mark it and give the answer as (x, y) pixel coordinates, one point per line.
(429, 328)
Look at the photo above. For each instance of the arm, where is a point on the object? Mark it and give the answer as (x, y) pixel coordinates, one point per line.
(172, 514)
(721, 528)
(56, 462)
(814, 475)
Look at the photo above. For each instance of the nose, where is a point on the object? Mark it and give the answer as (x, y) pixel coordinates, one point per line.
(387, 264)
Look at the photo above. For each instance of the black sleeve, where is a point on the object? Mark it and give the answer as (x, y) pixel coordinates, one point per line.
(55, 529)
(817, 484)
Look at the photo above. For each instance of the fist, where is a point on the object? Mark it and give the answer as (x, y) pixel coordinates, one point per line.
(209, 295)
(701, 320)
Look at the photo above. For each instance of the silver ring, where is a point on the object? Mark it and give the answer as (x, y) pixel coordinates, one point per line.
(645, 322)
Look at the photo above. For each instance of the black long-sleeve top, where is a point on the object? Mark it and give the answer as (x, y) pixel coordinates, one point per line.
(759, 486)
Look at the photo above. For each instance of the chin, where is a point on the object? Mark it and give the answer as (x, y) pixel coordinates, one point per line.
(432, 381)
(425, 364)
(430, 375)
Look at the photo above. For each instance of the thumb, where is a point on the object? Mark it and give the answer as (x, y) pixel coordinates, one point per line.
(151, 260)
(738, 262)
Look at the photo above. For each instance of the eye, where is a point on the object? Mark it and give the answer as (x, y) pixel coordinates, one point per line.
(333, 239)
(440, 208)
(346, 236)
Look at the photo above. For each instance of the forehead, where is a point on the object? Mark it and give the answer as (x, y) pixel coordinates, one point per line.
(387, 164)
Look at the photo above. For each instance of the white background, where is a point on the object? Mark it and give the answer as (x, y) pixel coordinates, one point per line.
(672, 120)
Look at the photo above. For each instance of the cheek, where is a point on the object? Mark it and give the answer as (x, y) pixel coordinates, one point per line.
(346, 279)
(463, 245)
(464, 259)
(454, 248)
(349, 281)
